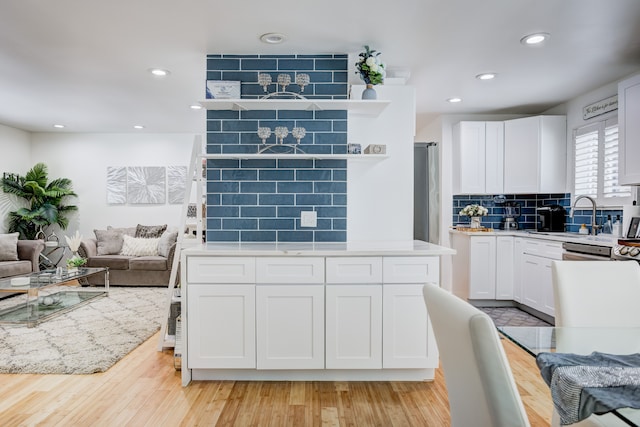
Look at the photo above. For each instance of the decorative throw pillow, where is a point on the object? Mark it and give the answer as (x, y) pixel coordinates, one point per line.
(167, 240)
(139, 246)
(9, 247)
(131, 231)
(150, 231)
(109, 242)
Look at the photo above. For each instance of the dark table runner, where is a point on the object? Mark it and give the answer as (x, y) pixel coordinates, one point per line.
(593, 384)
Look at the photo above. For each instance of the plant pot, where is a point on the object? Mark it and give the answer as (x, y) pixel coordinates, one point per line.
(369, 93)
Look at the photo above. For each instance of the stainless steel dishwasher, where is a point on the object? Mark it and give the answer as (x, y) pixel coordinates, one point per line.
(585, 252)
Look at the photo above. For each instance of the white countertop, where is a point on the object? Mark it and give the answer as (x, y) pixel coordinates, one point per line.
(378, 248)
(599, 240)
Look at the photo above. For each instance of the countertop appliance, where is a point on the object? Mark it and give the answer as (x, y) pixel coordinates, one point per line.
(511, 214)
(551, 218)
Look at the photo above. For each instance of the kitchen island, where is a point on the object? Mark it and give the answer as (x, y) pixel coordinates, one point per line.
(308, 311)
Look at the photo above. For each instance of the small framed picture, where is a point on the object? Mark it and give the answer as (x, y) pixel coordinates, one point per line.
(633, 227)
(354, 149)
(223, 89)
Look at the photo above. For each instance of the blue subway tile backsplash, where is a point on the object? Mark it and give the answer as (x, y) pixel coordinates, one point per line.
(528, 216)
(261, 200)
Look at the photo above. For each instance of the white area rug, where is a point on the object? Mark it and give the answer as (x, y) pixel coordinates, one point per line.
(89, 339)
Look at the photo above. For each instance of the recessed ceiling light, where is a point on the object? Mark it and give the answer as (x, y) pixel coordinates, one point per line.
(486, 76)
(195, 107)
(58, 126)
(454, 100)
(138, 127)
(159, 72)
(272, 38)
(534, 39)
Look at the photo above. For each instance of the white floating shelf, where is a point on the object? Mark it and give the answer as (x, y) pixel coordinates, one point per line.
(356, 106)
(356, 157)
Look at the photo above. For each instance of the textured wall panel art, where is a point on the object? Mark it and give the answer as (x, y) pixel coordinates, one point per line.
(146, 185)
(176, 183)
(116, 185)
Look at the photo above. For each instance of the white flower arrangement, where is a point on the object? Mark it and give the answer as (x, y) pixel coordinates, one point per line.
(370, 68)
(474, 210)
(74, 241)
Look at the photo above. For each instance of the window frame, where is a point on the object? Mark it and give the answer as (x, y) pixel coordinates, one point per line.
(599, 126)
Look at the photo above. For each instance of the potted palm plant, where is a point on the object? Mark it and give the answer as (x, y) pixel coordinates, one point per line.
(44, 201)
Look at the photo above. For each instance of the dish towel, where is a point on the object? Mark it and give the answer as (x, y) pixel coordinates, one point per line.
(593, 384)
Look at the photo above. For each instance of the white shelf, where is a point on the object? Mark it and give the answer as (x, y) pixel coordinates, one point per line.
(355, 157)
(356, 106)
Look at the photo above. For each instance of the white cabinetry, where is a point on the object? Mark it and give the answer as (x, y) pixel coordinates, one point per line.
(222, 329)
(537, 285)
(518, 248)
(353, 313)
(504, 268)
(290, 326)
(270, 317)
(290, 313)
(354, 326)
(535, 153)
(478, 152)
(408, 338)
(629, 131)
(483, 266)
(221, 302)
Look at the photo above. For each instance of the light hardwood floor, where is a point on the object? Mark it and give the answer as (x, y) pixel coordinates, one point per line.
(144, 389)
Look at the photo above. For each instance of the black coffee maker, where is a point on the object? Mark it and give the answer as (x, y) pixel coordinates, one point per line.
(551, 218)
(511, 215)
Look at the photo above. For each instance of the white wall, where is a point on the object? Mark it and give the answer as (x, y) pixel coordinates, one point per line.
(380, 193)
(15, 146)
(84, 158)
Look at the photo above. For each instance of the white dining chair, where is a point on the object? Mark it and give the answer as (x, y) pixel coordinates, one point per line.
(480, 384)
(596, 293)
(481, 388)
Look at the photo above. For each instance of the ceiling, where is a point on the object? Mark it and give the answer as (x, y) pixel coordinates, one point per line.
(85, 63)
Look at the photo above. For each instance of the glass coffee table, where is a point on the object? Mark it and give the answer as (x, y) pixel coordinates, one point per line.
(46, 294)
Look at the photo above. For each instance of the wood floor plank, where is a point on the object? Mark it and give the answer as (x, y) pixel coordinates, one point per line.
(144, 389)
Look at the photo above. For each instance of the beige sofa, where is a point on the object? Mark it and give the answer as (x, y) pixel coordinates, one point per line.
(114, 248)
(28, 261)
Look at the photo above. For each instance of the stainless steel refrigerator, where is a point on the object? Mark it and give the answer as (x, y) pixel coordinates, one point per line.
(426, 192)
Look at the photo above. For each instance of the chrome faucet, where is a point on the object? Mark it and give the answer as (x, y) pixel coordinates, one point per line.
(594, 226)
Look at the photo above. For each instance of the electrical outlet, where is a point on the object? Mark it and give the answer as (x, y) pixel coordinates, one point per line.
(308, 219)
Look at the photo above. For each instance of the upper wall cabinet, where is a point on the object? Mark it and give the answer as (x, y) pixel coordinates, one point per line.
(535, 155)
(478, 152)
(629, 131)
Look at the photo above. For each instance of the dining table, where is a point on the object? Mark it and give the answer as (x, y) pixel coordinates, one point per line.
(590, 370)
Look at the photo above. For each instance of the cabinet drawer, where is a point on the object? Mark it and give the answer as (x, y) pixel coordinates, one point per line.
(410, 269)
(543, 248)
(226, 270)
(354, 270)
(289, 270)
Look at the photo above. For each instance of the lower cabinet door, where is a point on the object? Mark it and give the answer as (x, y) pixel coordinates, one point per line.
(354, 327)
(408, 339)
(221, 331)
(290, 326)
